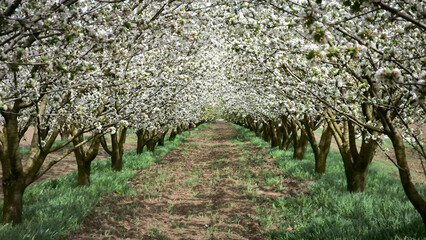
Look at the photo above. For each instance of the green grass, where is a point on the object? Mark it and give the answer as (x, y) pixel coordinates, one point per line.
(328, 211)
(192, 181)
(55, 208)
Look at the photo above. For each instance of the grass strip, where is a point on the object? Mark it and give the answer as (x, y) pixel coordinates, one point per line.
(328, 211)
(55, 208)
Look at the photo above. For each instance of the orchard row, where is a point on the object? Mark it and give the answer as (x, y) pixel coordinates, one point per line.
(279, 67)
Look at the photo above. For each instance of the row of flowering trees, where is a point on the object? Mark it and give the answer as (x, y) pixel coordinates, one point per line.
(95, 67)
(283, 68)
(355, 68)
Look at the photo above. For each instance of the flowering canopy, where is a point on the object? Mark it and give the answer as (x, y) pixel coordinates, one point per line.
(100, 64)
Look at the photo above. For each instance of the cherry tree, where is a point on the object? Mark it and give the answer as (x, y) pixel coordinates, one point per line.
(343, 71)
(54, 72)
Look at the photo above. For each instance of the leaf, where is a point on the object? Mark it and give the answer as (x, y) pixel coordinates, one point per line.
(356, 7)
(62, 67)
(311, 55)
(69, 37)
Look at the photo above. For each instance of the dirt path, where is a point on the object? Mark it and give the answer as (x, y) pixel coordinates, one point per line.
(210, 187)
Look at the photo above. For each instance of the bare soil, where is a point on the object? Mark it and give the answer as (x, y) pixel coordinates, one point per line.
(210, 187)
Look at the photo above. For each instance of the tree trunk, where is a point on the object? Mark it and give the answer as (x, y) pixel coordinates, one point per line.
(286, 140)
(83, 166)
(356, 179)
(161, 140)
(172, 136)
(85, 157)
(300, 146)
(324, 148)
(275, 141)
(142, 139)
(116, 162)
(116, 156)
(12, 206)
(320, 162)
(279, 131)
(247, 124)
(13, 191)
(404, 171)
(266, 137)
(320, 150)
(150, 145)
(286, 136)
(257, 129)
(356, 162)
(13, 178)
(84, 172)
(117, 148)
(179, 129)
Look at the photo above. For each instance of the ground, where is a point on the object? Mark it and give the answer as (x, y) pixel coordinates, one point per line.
(210, 187)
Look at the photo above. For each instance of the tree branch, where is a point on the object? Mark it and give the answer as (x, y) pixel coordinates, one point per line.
(11, 9)
(402, 15)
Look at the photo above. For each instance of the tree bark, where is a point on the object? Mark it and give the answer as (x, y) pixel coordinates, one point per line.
(17, 177)
(161, 140)
(117, 148)
(320, 150)
(257, 129)
(83, 169)
(279, 132)
(142, 136)
(300, 146)
(356, 179)
(275, 141)
(266, 131)
(324, 148)
(172, 136)
(84, 158)
(140, 143)
(13, 191)
(356, 162)
(286, 136)
(403, 168)
(13, 179)
(117, 151)
(179, 129)
(286, 140)
(150, 145)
